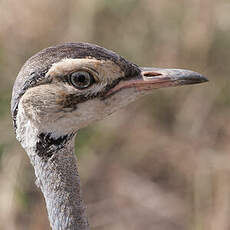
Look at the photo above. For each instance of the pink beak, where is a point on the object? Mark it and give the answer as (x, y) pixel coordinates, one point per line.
(154, 78)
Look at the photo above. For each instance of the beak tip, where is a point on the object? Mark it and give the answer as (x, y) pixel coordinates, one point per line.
(204, 79)
(194, 79)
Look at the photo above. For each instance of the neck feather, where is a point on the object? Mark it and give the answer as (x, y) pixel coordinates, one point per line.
(55, 166)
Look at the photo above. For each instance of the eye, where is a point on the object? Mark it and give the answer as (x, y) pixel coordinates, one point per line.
(81, 79)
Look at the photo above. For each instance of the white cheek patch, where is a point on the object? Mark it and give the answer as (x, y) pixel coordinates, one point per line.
(66, 122)
(70, 122)
(104, 70)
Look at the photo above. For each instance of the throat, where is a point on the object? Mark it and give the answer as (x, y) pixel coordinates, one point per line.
(55, 166)
(43, 144)
(37, 141)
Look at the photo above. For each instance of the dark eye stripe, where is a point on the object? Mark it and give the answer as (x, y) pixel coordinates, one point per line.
(72, 100)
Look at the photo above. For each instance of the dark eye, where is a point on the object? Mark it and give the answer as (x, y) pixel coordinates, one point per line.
(81, 79)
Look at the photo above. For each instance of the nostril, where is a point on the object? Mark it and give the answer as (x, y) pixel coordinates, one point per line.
(151, 74)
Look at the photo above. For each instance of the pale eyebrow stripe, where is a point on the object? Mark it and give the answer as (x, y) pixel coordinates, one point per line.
(101, 67)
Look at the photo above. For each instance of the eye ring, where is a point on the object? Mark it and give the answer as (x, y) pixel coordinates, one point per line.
(81, 79)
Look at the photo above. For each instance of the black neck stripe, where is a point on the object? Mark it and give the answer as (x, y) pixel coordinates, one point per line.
(47, 145)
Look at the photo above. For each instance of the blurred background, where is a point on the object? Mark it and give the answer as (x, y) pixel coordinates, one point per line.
(163, 162)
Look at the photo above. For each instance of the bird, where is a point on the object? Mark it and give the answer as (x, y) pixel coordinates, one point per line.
(62, 89)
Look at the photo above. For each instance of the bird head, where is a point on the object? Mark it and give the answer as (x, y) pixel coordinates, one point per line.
(64, 88)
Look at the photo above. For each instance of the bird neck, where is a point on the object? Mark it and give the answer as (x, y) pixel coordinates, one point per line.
(56, 170)
(57, 176)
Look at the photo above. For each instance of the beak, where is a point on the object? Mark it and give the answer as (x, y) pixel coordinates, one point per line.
(154, 78)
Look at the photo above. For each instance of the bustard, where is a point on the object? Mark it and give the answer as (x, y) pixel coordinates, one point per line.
(62, 89)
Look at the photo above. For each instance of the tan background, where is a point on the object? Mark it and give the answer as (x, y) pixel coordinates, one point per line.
(163, 162)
